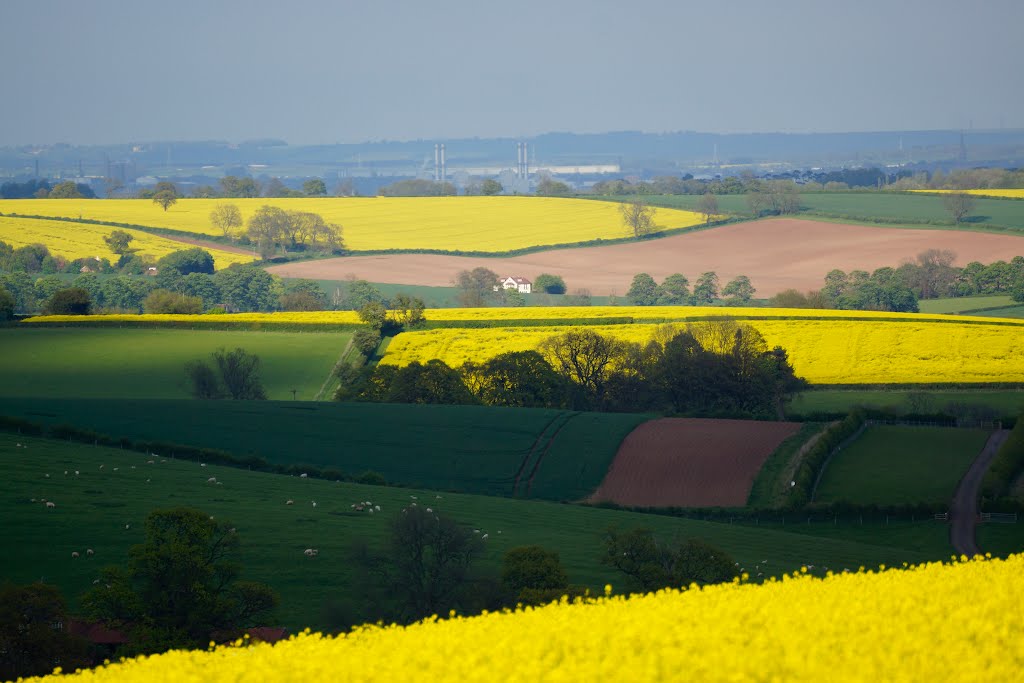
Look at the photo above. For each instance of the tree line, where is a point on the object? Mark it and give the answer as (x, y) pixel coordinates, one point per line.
(715, 368)
(930, 275)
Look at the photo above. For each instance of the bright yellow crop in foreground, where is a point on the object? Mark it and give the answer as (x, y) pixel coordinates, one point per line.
(83, 240)
(486, 224)
(935, 622)
(822, 351)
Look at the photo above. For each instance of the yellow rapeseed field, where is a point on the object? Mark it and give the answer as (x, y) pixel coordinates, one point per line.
(1005, 194)
(82, 240)
(935, 622)
(830, 351)
(485, 224)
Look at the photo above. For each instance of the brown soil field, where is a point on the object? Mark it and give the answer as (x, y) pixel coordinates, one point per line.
(775, 253)
(689, 462)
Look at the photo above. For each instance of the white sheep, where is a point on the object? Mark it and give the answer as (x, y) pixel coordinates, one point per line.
(484, 537)
(377, 508)
(89, 552)
(314, 503)
(303, 475)
(289, 502)
(211, 480)
(310, 552)
(74, 554)
(50, 504)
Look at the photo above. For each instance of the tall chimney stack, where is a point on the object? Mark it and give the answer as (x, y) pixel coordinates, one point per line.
(437, 162)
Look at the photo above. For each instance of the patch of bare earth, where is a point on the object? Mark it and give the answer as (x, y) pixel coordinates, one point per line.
(688, 462)
(776, 254)
(207, 244)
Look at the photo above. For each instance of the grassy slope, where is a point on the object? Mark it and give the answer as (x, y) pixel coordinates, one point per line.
(891, 464)
(466, 448)
(1004, 403)
(141, 363)
(885, 207)
(94, 507)
(965, 304)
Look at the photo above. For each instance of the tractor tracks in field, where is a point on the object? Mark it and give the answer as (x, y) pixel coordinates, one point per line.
(539, 449)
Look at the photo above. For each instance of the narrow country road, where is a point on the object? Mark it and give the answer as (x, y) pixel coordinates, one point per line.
(963, 511)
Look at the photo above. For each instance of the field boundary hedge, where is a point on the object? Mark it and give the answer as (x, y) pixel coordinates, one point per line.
(1006, 467)
(167, 449)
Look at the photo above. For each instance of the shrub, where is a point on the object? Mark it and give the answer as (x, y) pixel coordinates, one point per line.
(163, 301)
(70, 301)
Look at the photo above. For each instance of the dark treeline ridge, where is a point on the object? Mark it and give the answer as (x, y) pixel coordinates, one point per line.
(710, 368)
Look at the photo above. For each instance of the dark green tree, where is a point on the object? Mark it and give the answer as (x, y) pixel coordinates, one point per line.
(408, 311)
(550, 284)
(239, 374)
(520, 379)
(654, 565)
(430, 382)
(7, 304)
(34, 636)
(674, 291)
(314, 187)
(163, 301)
(534, 567)
(247, 288)
(235, 187)
(181, 585)
(705, 291)
(430, 556)
(643, 291)
(476, 287)
(119, 242)
(738, 291)
(70, 301)
(185, 261)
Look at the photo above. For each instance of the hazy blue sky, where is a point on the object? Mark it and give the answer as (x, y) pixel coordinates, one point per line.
(318, 71)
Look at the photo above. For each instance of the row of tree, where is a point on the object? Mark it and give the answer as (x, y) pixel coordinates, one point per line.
(930, 275)
(674, 290)
(717, 368)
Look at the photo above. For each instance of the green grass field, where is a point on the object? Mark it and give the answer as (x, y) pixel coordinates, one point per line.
(894, 464)
(473, 449)
(141, 363)
(907, 209)
(1003, 403)
(93, 509)
(965, 305)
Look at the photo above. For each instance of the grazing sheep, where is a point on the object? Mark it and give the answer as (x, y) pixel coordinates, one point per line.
(289, 502)
(202, 464)
(47, 475)
(74, 554)
(116, 469)
(484, 537)
(310, 552)
(127, 526)
(50, 504)
(303, 475)
(358, 508)
(149, 462)
(76, 473)
(211, 480)
(314, 503)
(89, 552)
(430, 509)
(377, 508)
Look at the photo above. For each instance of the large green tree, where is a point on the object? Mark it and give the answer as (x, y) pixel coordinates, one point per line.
(643, 291)
(180, 586)
(653, 564)
(34, 636)
(476, 287)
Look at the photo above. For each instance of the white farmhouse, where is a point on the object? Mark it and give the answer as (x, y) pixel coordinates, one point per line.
(521, 284)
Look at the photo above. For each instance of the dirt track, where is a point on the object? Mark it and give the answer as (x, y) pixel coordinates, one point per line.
(776, 254)
(963, 510)
(691, 462)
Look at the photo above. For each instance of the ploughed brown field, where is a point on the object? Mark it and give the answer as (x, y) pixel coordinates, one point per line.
(689, 462)
(775, 253)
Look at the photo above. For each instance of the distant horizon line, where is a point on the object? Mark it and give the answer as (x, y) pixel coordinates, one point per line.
(274, 141)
